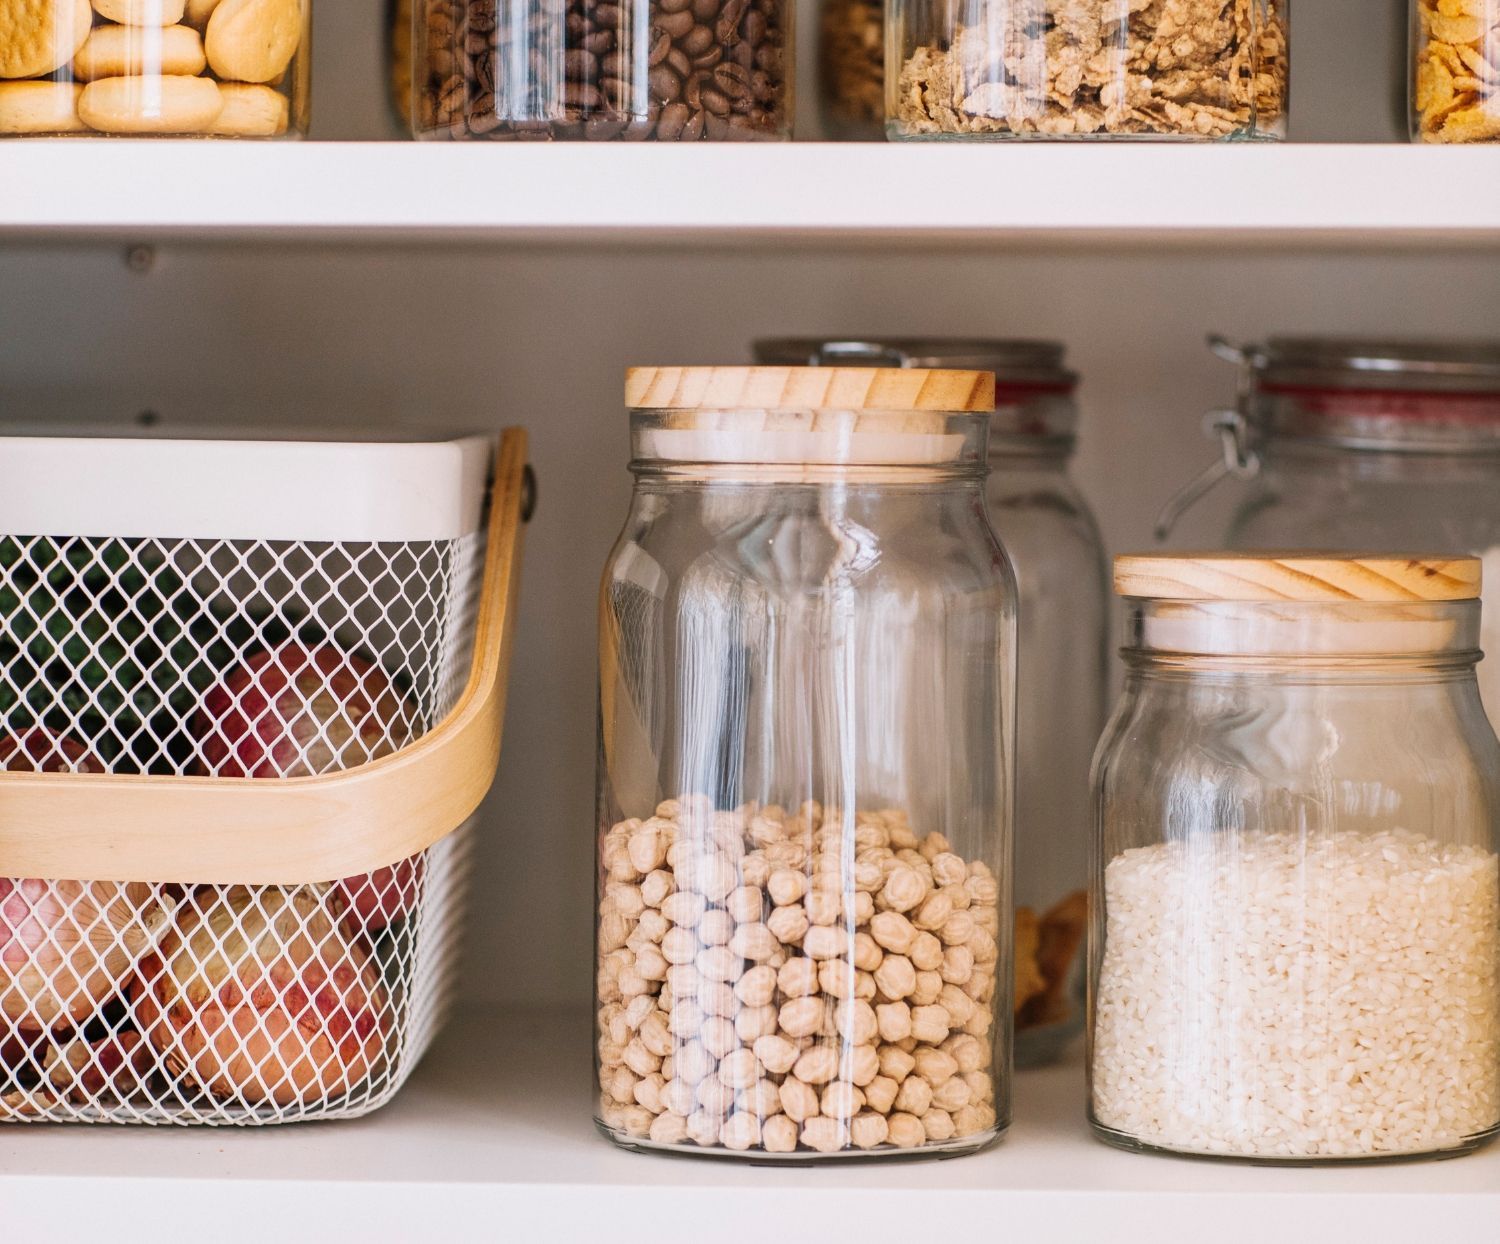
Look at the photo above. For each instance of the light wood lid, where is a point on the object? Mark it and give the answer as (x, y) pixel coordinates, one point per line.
(806, 388)
(1374, 577)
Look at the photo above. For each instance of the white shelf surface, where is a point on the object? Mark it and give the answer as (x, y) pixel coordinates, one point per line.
(492, 1140)
(1355, 194)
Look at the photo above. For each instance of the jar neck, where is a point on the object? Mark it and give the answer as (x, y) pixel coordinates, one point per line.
(1355, 641)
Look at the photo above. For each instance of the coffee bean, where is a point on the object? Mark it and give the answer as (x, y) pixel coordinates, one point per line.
(716, 102)
(679, 62)
(693, 130)
(675, 24)
(733, 81)
(709, 58)
(582, 65)
(696, 41)
(665, 85)
(661, 44)
(674, 119)
(726, 25)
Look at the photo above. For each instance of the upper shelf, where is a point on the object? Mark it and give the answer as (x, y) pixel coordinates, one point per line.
(1365, 195)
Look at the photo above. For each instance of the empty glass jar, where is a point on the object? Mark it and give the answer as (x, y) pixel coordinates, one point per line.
(675, 70)
(155, 68)
(1183, 69)
(1296, 951)
(1348, 444)
(1455, 83)
(807, 663)
(1053, 543)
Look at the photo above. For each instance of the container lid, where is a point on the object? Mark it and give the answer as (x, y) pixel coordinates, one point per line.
(1298, 577)
(809, 388)
(1024, 369)
(222, 488)
(1354, 363)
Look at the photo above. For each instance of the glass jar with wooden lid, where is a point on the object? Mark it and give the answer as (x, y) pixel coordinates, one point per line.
(807, 670)
(1296, 932)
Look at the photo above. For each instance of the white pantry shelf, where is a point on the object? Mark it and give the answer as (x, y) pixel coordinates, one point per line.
(492, 1140)
(1360, 195)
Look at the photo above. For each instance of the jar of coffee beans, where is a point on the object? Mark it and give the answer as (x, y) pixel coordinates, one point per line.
(679, 70)
(807, 661)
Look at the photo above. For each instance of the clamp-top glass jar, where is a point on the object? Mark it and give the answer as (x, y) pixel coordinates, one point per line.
(807, 663)
(155, 68)
(1349, 444)
(1053, 544)
(1296, 946)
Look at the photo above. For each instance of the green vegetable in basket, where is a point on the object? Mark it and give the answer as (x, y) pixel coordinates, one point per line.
(104, 638)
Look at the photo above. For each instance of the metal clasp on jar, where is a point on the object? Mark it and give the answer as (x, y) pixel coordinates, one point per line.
(1232, 427)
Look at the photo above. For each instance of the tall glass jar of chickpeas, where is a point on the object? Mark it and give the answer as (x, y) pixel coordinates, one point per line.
(807, 672)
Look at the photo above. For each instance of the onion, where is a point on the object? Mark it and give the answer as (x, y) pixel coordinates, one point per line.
(294, 712)
(116, 1066)
(373, 901)
(258, 996)
(66, 947)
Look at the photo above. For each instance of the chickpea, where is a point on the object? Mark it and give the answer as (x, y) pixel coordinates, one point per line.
(755, 869)
(880, 1093)
(930, 1024)
(787, 886)
(905, 1130)
(715, 928)
(718, 963)
(761, 1099)
(745, 904)
(896, 978)
(788, 924)
(778, 1134)
(818, 1065)
(893, 1020)
(777, 1055)
(647, 849)
(914, 1096)
(841, 1100)
(718, 1036)
(648, 1093)
(798, 1100)
(935, 1066)
(798, 978)
(754, 1022)
(957, 1003)
(684, 908)
(694, 1063)
(895, 1063)
(757, 986)
(754, 941)
(740, 1131)
(739, 1069)
(801, 1017)
(904, 889)
(703, 1128)
(825, 941)
(893, 931)
(958, 929)
(938, 1124)
(928, 988)
(867, 1130)
(981, 1086)
(825, 1135)
(669, 1129)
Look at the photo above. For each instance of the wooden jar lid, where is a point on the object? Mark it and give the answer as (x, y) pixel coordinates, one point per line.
(1374, 577)
(809, 388)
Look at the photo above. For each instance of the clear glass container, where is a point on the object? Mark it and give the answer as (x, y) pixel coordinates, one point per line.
(156, 69)
(851, 69)
(1296, 949)
(398, 54)
(1054, 547)
(1455, 71)
(807, 666)
(675, 70)
(1349, 444)
(996, 69)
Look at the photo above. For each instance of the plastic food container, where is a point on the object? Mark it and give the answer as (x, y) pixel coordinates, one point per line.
(156, 68)
(1088, 69)
(807, 663)
(1054, 547)
(674, 70)
(1455, 83)
(250, 695)
(1296, 950)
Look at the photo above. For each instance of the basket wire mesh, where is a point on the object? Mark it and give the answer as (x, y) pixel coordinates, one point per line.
(147, 1002)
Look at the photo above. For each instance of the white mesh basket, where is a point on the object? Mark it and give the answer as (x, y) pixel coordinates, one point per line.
(252, 693)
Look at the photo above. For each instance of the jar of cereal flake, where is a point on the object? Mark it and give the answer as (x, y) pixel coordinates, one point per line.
(1296, 950)
(807, 671)
(155, 68)
(1455, 84)
(1180, 69)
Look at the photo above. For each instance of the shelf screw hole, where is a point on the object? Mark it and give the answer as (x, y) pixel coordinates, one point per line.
(140, 259)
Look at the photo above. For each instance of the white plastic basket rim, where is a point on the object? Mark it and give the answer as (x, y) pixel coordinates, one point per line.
(243, 489)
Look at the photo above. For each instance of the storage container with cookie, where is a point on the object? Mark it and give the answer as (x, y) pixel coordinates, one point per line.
(154, 68)
(1089, 69)
(807, 670)
(240, 747)
(599, 70)
(1296, 943)
(1455, 85)
(1054, 547)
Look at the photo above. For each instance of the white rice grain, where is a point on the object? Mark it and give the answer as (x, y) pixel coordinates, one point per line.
(1274, 995)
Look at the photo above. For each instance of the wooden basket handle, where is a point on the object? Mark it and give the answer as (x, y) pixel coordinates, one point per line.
(129, 827)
